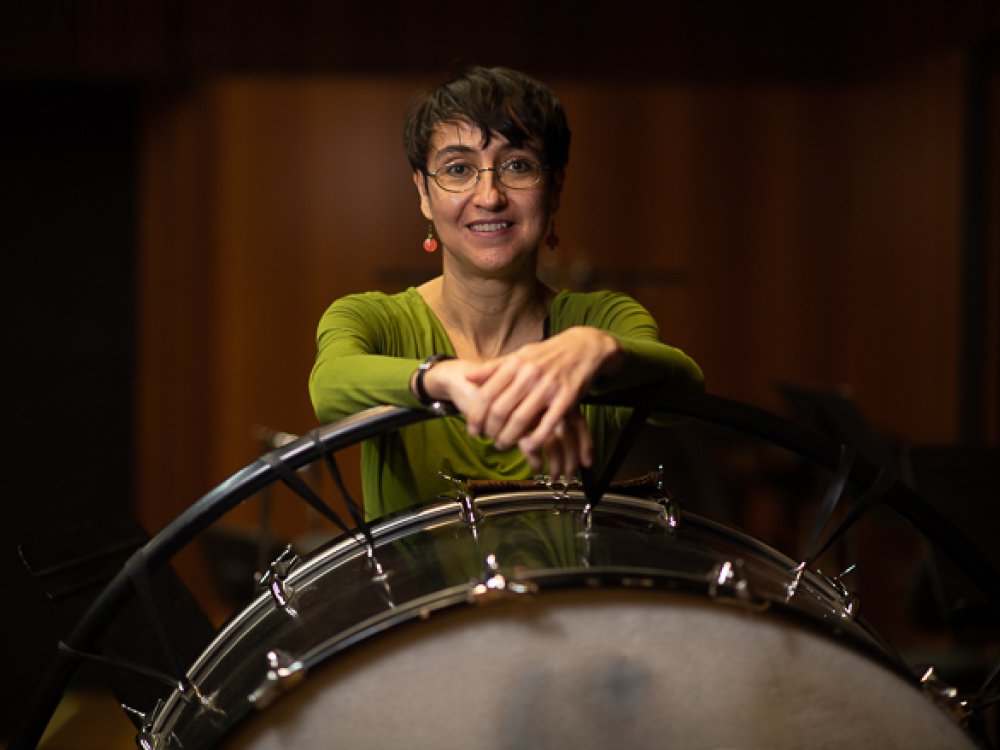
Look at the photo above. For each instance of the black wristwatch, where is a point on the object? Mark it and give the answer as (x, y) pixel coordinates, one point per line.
(422, 369)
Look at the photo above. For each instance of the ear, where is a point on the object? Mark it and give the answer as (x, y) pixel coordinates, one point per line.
(420, 180)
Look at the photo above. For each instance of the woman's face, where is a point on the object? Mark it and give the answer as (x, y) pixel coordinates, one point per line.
(489, 227)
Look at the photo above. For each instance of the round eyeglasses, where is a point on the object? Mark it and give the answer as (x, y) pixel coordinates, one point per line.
(459, 176)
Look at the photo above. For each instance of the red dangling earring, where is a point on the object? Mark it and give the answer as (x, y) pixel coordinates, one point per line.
(552, 240)
(430, 244)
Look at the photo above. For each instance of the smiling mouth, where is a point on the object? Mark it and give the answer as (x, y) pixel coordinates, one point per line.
(493, 226)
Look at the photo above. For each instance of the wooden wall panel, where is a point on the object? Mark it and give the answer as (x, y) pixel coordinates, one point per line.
(814, 232)
(774, 230)
(175, 297)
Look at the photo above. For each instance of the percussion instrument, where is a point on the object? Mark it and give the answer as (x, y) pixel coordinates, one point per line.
(534, 615)
(537, 626)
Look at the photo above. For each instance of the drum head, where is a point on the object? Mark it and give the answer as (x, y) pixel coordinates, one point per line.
(595, 669)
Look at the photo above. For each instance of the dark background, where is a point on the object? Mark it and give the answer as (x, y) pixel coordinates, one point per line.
(73, 74)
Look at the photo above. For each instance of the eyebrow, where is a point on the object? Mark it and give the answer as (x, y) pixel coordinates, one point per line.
(457, 149)
(454, 149)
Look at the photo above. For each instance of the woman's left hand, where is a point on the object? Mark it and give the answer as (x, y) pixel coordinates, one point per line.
(570, 447)
(530, 397)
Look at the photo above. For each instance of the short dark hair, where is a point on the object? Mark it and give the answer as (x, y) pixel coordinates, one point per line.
(496, 101)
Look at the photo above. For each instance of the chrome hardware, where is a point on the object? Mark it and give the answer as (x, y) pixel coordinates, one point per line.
(727, 575)
(468, 513)
(496, 585)
(149, 741)
(588, 523)
(849, 601)
(944, 695)
(379, 575)
(274, 580)
(438, 409)
(670, 509)
(586, 536)
(661, 484)
(730, 577)
(670, 514)
(138, 716)
(559, 487)
(146, 738)
(283, 674)
(191, 695)
(793, 586)
(378, 571)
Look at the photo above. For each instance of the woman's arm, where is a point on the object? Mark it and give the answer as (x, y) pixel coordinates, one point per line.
(360, 359)
(530, 397)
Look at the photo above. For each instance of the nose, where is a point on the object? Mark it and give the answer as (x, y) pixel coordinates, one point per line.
(489, 189)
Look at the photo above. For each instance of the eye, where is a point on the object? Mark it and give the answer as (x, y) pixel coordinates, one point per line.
(457, 170)
(518, 165)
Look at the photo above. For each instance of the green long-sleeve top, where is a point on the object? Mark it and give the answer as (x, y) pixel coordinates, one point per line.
(369, 345)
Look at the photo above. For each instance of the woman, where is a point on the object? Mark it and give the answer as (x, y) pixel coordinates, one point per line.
(489, 151)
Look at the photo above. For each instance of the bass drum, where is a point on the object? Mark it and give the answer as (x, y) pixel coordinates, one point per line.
(529, 621)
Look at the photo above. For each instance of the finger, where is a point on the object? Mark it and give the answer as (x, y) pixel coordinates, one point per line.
(480, 415)
(522, 420)
(553, 456)
(585, 441)
(515, 411)
(535, 461)
(483, 371)
(565, 447)
(552, 412)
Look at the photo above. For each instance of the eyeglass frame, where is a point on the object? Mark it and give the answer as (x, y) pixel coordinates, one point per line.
(497, 170)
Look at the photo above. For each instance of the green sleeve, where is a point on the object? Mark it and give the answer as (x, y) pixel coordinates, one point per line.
(647, 360)
(368, 346)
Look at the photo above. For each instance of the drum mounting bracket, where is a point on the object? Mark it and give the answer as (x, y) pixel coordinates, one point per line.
(274, 580)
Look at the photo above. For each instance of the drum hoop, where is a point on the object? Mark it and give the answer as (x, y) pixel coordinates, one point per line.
(348, 547)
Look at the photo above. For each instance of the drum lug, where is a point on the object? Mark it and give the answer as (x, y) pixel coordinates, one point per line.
(730, 576)
(944, 695)
(468, 513)
(283, 673)
(670, 509)
(147, 739)
(274, 580)
(495, 585)
(379, 576)
(670, 513)
(150, 741)
(850, 602)
(560, 488)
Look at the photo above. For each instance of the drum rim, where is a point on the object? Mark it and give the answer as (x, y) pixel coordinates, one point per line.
(347, 546)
